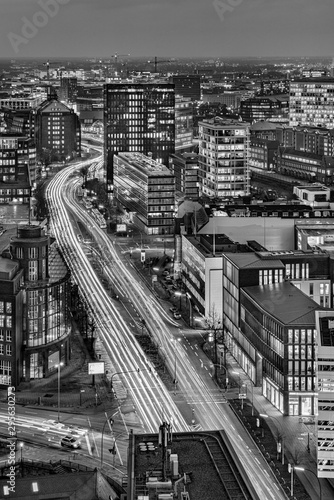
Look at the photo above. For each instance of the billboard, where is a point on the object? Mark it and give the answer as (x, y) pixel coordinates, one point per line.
(96, 368)
(120, 228)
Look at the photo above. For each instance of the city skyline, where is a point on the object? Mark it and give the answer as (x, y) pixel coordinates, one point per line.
(185, 28)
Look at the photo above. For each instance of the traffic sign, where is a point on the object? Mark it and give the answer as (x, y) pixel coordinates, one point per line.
(242, 396)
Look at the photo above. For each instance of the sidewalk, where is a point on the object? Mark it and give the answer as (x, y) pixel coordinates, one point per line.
(296, 434)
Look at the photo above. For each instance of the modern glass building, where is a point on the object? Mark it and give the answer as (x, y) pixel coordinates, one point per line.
(223, 158)
(147, 189)
(46, 324)
(138, 117)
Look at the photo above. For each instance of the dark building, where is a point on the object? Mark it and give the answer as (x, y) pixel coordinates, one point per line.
(185, 168)
(68, 90)
(57, 131)
(306, 166)
(264, 130)
(35, 324)
(138, 117)
(17, 168)
(187, 86)
(11, 322)
(20, 121)
(264, 108)
(262, 152)
(315, 140)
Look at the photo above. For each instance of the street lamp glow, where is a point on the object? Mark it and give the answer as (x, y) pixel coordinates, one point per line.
(58, 366)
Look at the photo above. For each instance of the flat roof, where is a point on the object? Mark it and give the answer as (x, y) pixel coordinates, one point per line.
(224, 122)
(251, 260)
(285, 302)
(146, 163)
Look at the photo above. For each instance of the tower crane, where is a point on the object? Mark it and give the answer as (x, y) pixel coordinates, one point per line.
(116, 56)
(47, 64)
(159, 61)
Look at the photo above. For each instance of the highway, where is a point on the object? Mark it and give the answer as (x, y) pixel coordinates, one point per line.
(152, 401)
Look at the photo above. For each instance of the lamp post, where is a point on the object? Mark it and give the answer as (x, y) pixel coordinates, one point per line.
(190, 310)
(303, 469)
(58, 366)
(175, 366)
(109, 420)
(280, 443)
(21, 448)
(81, 391)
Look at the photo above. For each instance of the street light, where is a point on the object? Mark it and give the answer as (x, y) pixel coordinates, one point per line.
(175, 380)
(58, 366)
(302, 469)
(109, 420)
(280, 443)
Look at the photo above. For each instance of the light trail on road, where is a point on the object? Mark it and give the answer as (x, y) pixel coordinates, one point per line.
(151, 398)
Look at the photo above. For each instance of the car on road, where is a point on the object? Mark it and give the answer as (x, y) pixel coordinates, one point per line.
(70, 442)
(165, 273)
(53, 424)
(77, 431)
(177, 315)
(168, 279)
(173, 309)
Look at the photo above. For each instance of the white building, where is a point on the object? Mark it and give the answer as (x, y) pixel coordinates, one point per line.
(223, 158)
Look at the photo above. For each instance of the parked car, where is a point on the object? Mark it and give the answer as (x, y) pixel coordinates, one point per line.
(173, 309)
(168, 279)
(70, 442)
(177, 315)
(165, 273)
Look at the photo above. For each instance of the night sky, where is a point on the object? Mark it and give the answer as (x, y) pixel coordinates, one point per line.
(167, 28)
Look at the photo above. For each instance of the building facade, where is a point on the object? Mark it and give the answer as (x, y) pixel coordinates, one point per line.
(312, 102)
(57, 131)
(183, 124)
(138, 117)
(147, 189)
(223, 158)
(187, 86)
(17, 168)
(264, 108)
(42, 286)
(184, 166)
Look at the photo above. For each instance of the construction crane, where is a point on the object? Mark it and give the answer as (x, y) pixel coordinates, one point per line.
(159, 61)
(47, 64)
(116, 56)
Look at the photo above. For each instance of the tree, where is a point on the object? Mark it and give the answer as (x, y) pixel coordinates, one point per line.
(84, 173)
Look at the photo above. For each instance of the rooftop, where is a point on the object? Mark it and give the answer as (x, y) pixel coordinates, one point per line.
(219, 122)
(150, 166)
(285, 302)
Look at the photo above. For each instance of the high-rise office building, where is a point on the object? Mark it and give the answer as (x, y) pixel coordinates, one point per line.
(312, 102)
(138, 117)
(187, 86)
(147, 189)
(223, 158)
